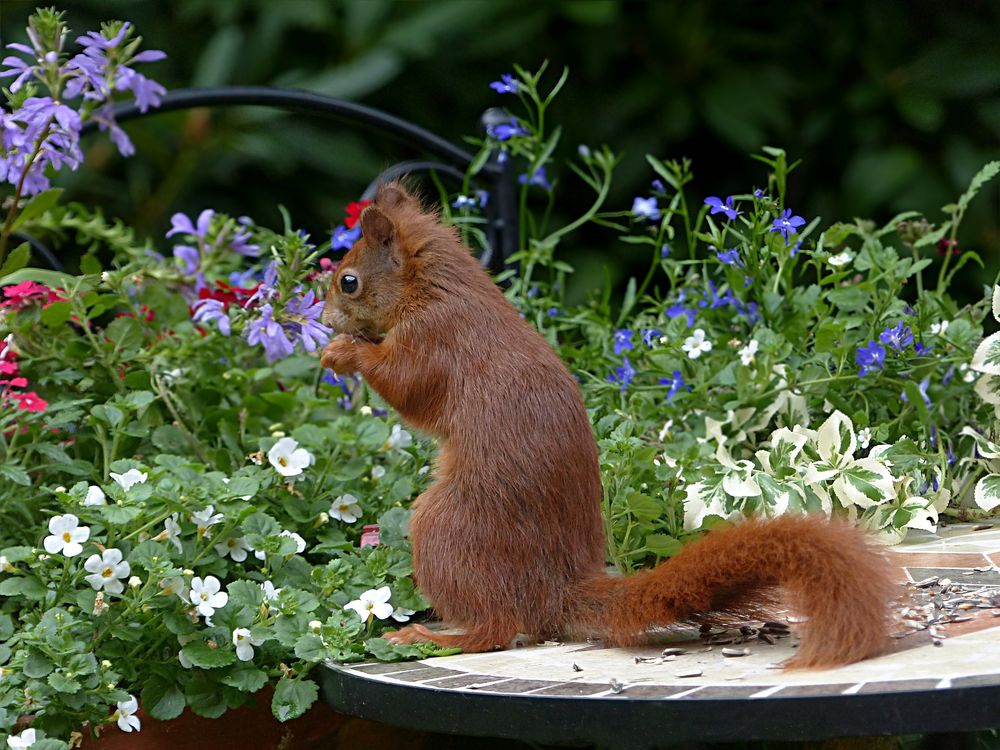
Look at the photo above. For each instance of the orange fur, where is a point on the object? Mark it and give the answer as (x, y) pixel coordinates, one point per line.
(509, 538)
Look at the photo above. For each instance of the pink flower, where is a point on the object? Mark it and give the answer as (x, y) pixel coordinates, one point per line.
(30, 401)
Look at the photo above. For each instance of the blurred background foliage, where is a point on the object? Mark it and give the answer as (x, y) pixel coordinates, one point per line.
(891, 105)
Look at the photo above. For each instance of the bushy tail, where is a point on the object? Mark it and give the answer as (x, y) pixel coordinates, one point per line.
(827, 568)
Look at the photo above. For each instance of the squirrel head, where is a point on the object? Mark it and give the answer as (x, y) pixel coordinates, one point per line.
(371, 282)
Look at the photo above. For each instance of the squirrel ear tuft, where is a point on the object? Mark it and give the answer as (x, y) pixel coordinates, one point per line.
(390, 195)
(377, 229)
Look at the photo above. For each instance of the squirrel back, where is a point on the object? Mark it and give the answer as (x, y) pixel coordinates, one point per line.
(510, 536)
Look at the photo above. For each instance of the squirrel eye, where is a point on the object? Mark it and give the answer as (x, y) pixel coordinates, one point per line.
(348, 283)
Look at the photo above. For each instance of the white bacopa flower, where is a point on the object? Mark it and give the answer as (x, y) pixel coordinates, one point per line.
(130, 478)
(300, 543)
(287, 458)
(665, 430)
(747, 352)
(174, 585)
(373, 603)
(106, 570)
(695, 344)
(135, 582)
(365, 410)
(95, 496)
(172, 531)
(270, 592)
(206, 596)
(125, 715)
(67, 536)
(244, 643)
(967, 375)
(840, 259)
(378, 472)
(206, 519)
(398, 438)
(864, 437)
(315, 626)
(5, 566)
(402, 614)
(181, 656)
(235, 546)
(938, 329)
(22, 741)
(345, 508)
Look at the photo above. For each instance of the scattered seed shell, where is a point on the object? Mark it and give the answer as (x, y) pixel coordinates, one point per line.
(689, 673)
(735, 652)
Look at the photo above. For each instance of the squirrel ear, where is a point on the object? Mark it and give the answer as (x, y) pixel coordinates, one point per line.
(390, 195)
(377, 229)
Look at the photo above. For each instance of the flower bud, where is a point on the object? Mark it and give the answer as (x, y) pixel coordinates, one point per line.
(135, 582)
(315, 626)
(366, 410)
(106, 664)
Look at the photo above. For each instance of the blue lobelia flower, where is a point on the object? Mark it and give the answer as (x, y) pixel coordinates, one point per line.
(552, 312)
(344, 238)
(675, 382)
(506, 85)
(870, 358)
(622, 375)
(924, 385)
(730, 257)
(718, 207)
(649, 336)
(664, 250)
(898, 337)
(645, 208)
(787, 224)
(538, 178)
(623, 340)
(504, 131)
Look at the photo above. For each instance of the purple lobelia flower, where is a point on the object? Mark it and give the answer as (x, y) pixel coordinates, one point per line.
(303, 316)
(870, 358)
(504, 131)
(266, 331)
(344, 238)
(212, 310)
(623, 340)
(645, 208)
(922, 387)
(718, 207)
(730, 257)
(898, 337)
(622, 375)
(787, 224)
(674, 383)
(506, 85)
(650, 335)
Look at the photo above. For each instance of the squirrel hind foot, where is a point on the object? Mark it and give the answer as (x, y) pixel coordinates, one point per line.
(474, 641)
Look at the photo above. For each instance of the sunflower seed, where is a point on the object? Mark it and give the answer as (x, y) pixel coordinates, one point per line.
(672, 651)
(925, 582)
(689, 673)
(577, 668)
(735, 652)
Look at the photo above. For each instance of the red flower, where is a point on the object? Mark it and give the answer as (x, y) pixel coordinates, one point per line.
(30, 401)
(15, 382)
(353, 211)
(369, 535)
(23, 294)
(228, 294)
(145, 310)
(948, 247)
(8, 368)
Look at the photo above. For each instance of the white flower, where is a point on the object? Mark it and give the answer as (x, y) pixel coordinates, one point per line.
(125, 715)
(135, 582)
(287, 458)
(181, 657)
(21, 741)
(300, 543)
(864, 437)
(172, 376)
(967, 375)
(747, 352)
(345, 508)
(373, 603)
(205, 519)
(244, 643)
(67, 536)
(938, 329)
(840, 259)
(378, 472)
(174, 585)
(95, 496)
(130, 478)
(695, 344)
(270, 592)
(235, 546)
(206, 596)
(366, 410)
(172, 531)
(398, 438)
(5, 565)
(402, 614)
(315, 626)
(106, 569)
(665, 430)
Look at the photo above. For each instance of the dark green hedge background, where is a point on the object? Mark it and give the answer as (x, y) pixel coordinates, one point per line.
(891, 105)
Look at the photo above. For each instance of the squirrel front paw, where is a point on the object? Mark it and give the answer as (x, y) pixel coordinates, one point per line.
(341, 355)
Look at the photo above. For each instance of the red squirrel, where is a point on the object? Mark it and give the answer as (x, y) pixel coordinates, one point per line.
(509, 538)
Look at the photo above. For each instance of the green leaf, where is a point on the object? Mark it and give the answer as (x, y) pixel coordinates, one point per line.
(204, 696)
(244, 595)
(245, 677)
(161, 698)
(987, 356)
(49, 743)
(126, 334)
(37, 206)
(16, 260)
(984, 175)
(54, 279)
(27, 586)
(16, 474)
(63, 684)
(662, 545)
(987, 494)
(169, 439)
(849, 299)
(6, 626)
(37, 665)
(56, 314)
(120, 514)
(243, 486)
(310, 647)
(202, 655)
(292, 698)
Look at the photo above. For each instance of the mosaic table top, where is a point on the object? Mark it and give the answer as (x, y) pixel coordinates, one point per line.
(941, 674)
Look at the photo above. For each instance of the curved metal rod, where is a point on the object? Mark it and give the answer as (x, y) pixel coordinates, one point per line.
(302, 101)
(39, 248)
(406, 167)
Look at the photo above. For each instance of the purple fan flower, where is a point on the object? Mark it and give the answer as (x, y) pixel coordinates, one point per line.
(787, 224)
(189, 258)
(538, 178)
(344, 238)
(622, 340)
(718, 207)
(675, 382)
(870, 358)
(266, 331)
(649, 336)
(645, 208)
(506, 85)
(730, 257)
(898, 337)
(18, 67)
(622, 375)
(304, 313)
(207, 310)
(181, 224)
